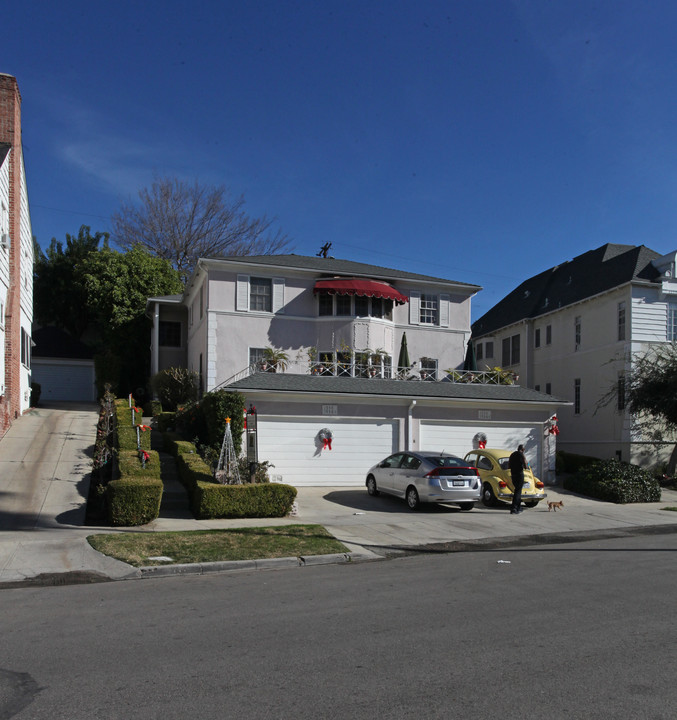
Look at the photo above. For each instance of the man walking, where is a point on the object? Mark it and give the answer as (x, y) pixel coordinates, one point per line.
(518, 463)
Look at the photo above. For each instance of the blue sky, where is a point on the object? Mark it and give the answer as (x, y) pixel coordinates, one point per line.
(477, 140)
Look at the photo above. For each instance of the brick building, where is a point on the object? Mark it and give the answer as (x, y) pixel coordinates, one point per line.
(16, 261)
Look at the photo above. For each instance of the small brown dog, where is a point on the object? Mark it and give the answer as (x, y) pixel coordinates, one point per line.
(554, 505)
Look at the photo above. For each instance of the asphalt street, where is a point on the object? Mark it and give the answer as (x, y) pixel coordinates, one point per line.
(564, 632)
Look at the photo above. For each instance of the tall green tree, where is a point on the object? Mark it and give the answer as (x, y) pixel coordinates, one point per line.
(99, 294)
(58, 299)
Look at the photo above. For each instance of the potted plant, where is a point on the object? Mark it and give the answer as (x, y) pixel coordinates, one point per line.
(274, 359)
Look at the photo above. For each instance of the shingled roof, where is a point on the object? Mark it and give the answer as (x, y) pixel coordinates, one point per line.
(332, 266)
(589, 274)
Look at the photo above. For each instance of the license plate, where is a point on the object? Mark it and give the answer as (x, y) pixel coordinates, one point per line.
(459, 483)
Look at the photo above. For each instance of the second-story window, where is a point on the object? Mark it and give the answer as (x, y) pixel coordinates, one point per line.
(621, 321)
(169, 333)
(510, 350)
(489, 350)
(260, 294)
(479, 351)
(548, 334)
(577, 332)
(537, 337)
(343, 305)
(428, 309)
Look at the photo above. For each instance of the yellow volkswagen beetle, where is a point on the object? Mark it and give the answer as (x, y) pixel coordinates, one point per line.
(494, 470)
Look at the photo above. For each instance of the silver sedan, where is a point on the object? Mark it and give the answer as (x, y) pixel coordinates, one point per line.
(420, 477)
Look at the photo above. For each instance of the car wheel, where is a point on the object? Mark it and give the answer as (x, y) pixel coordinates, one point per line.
(466, 506)
(371, 486)
(531, 503)
(412, 498)
(488, 497)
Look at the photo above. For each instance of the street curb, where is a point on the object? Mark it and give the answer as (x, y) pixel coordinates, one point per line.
(151, 571)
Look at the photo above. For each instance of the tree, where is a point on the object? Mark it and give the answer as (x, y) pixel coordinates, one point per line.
(182, 223)
(651, 394)
(58, 299)
(99, 295)
(117, 286)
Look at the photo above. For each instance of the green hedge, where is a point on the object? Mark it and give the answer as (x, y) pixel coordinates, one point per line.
(133, 500)
(127, 438)
(566, 462)
(130, 464)
(615, 481)
(209, 499)
(165, 421)
(261, 500)
(135, 497)
(123, 414)
(175, 445)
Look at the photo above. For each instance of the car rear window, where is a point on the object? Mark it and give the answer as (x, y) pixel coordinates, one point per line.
(504, 463)
(448, 461)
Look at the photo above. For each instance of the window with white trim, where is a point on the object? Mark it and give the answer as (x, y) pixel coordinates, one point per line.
(428, 309)
(260, 294)
(671, 330)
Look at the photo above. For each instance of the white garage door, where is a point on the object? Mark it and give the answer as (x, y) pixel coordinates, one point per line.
(294, 448)
(64, 380)
(457, 439)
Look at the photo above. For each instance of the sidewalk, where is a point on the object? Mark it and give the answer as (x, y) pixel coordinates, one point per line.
(44, 465)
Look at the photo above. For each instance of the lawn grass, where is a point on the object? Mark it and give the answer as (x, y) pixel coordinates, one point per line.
(141, 549)
(670, 507)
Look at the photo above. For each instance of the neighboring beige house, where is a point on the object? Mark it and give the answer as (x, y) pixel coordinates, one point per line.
(342, 326)
(16, 261)
(573, 330)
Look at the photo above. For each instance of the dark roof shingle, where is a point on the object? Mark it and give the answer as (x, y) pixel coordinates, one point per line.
(589, 274)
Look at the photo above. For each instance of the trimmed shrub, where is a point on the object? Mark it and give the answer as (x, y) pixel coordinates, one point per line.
(571, 462)
(175, 386)
(130, 464)
(127, 438)
(127, 416)
(212, 500)
(166, 421)
(133, 500)
(615, 481)
(175, 445)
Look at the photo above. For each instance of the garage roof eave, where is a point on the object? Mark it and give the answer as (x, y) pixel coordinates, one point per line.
(289, 383)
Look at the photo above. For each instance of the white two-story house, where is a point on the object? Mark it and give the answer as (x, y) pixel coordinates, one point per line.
(370, 354)
(573, 331)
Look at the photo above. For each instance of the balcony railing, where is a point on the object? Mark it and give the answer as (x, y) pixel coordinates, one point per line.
(383, 371)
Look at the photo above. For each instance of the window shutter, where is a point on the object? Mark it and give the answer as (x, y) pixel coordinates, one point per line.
(242, 300)
(414, 308)
(278, 295)
(444, 311)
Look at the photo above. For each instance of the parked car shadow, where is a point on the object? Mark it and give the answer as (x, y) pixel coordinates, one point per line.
(361, 500)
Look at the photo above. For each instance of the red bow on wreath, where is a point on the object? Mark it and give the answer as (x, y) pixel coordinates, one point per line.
(326, 437)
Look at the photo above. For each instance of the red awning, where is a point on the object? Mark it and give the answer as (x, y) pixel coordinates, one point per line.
(360, 286)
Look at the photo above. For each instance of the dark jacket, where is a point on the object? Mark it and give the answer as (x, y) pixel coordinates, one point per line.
(517, 463)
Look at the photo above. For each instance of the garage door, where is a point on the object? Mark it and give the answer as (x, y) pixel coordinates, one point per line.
(294, 448)
(64, 380)
(457, 439)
